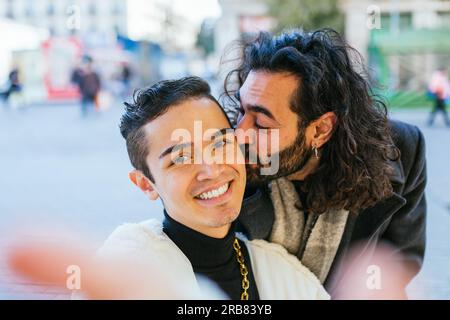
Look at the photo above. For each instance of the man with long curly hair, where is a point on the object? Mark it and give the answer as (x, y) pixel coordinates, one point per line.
(347, 174)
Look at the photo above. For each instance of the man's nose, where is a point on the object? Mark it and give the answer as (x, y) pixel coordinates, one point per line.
(210, 171)
(245, 132)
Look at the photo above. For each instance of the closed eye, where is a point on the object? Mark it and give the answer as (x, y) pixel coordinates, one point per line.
(260, 127)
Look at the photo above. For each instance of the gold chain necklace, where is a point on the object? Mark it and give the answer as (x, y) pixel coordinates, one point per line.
(243, 268)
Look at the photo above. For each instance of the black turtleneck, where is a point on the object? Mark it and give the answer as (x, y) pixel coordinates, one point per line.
(212, 257)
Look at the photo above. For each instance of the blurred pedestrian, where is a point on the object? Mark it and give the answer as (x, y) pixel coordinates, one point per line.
(125, 78)
(13, 85)
(88, 82)
(77, 74)
(440, 90)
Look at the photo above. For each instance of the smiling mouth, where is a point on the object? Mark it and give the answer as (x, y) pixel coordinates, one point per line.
(215, 193)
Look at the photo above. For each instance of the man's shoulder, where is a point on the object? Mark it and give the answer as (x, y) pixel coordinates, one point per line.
(148, 229)
(404, 134)
(410, 142)
(135, 237)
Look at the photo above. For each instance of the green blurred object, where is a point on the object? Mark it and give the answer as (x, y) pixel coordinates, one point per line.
(205, 38)
(408, 42)
(408, 99)
(411, 41)
(306, 14)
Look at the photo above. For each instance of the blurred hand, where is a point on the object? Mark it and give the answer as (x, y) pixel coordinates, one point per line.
(101, 278)
(378, 276)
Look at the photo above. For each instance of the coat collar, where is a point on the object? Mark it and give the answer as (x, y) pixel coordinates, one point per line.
(375, 216)
(398, 174)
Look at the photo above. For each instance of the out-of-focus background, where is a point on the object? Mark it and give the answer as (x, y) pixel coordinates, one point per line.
(66, 66)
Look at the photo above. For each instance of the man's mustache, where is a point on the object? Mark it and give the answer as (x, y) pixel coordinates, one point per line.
(253, 157)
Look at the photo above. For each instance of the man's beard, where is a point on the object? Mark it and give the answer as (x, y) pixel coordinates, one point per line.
(291, 159)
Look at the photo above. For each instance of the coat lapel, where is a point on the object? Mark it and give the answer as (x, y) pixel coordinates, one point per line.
(369, 221)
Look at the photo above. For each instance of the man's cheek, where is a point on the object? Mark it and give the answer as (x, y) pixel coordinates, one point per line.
(268, 145)
(262, 144)
(285, 139)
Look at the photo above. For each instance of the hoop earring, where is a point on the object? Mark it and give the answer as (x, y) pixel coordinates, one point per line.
(316, 151)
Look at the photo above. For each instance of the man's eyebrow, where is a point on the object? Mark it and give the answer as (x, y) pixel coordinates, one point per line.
(173, 148)
(261, 109)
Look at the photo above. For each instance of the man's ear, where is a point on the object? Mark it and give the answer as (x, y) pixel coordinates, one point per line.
(142, 182)
(324, 128)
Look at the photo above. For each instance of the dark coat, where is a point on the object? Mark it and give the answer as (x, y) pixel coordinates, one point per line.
(398, 220)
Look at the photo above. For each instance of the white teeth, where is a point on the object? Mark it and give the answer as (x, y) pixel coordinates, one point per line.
(214, 193)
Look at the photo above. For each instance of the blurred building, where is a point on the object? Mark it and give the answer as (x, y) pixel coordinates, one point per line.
(76, 27)
(395, 16)
(163, 22)
(404, 41)
(238, 19)
(68, 17)
(19, 47)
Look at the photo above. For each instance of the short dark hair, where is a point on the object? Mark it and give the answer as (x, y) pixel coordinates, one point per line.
(354, 171)
(150, 103)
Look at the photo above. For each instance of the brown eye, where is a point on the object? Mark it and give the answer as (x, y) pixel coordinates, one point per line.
(182, 159)
(219, 144)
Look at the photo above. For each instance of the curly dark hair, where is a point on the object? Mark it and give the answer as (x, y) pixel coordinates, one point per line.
(354, 170)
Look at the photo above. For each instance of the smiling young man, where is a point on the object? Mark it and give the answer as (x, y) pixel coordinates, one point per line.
(201, 183)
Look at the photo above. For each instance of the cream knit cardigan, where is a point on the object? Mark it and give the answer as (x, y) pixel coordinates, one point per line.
(278, 274)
